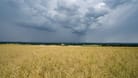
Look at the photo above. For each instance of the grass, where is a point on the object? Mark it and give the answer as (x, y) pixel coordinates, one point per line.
(38, 61)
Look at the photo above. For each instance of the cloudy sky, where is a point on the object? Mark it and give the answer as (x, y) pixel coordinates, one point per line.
(69, 20)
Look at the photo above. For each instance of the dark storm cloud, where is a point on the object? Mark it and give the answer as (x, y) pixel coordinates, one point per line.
(80, 20)
(37, 27)
(122, 28)
(115, 3)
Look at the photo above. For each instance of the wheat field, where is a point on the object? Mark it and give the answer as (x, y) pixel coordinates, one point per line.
(40, 61)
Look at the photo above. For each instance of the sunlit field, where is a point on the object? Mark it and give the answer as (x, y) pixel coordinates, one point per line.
(40, 61)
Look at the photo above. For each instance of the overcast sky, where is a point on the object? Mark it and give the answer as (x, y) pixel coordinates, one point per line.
(69, 20)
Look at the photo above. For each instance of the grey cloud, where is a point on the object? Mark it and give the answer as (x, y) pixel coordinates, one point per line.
(7, 11)
(118, 26)
(65, 15)
(115, 3)
(80, 18)
(95, 14)
(67, 10)
(37, 27)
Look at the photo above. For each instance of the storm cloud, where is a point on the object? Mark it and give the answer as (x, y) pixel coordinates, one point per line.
(69, 20)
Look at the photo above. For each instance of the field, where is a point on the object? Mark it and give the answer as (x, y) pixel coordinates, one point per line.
(39, 61)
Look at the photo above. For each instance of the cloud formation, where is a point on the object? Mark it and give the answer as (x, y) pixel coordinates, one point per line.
(77, 20)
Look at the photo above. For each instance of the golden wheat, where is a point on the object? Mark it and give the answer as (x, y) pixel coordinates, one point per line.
(29, 61)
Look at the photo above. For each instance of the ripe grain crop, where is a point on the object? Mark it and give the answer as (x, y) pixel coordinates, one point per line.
(40, 61)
